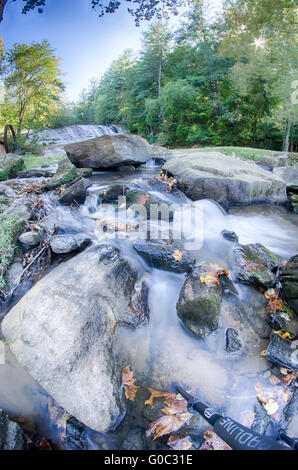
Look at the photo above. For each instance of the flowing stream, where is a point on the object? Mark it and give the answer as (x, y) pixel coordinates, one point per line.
(162, 351)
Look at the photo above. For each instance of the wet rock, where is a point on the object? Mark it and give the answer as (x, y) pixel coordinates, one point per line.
(163, 256)
(289, 174)
(274, 161)
(30, 239)
(230, 236)
(294, 202)
(199, 304)
(109, 151)
(283, 352)
(66, 341)
(233, 344)
(254, 265)
(11, 435)
(254, 309)
(10, 164)
(65, 174)
(62, 244)
(75, 192)
(224, 179)
(84, 172)
(289, 282)
(45, 171)
(262, 419)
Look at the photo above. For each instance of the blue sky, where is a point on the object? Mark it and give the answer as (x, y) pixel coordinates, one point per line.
(87, 44)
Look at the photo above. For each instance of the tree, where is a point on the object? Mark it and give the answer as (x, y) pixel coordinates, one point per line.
(32, 84)
(140, 9)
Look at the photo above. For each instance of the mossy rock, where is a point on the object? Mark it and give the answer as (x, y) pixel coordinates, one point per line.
(255, 265)
(10, 164)
(199, 304)
(289, 281)
(65, 174)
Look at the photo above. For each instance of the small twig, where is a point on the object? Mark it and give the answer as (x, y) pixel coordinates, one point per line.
(8, 296)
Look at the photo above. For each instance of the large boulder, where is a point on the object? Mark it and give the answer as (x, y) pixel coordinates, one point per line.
(75, 192)
(255, 265)
(165, 256)
(10, 164)
(62, 332)
(274, 161)
(65, 174)
(289, 174)
(224, 179)
(109, 151)
(199, 304)
(289, 281)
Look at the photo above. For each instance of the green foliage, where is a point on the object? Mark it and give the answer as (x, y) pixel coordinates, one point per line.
(32, 86)
(10, 227)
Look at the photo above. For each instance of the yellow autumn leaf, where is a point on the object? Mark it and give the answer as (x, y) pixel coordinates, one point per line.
(271, 407)
(177, 255)
(209, 279)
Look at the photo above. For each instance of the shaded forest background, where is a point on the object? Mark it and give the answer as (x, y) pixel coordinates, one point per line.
(229, 81)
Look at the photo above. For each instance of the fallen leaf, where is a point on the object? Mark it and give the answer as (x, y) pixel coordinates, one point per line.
(209, 279)
(168, 424)
(175, 405)
(128, 383)
(271, 407)
(177, 255)
(143, 199)
(274, 380)
(180, 442)
(156, 394)
(288, 379)
(213, 442)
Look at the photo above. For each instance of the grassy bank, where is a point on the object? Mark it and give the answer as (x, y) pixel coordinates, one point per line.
(247, 153)
(32, 161)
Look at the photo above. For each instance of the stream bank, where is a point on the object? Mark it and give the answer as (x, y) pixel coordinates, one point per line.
(226, 379)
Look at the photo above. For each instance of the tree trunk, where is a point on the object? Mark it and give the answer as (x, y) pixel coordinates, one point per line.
(2, 5)
(159, 75)
(287, 139)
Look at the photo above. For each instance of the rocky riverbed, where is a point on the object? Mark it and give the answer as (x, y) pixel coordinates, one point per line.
(183, 267)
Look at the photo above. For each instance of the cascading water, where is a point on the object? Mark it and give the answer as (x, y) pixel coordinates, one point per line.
(162, 351)
(55, 139)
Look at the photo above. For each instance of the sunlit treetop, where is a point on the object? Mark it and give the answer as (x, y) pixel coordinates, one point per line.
(139, 9)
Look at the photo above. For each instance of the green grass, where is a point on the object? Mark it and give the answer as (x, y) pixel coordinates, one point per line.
(246, 153)
(32, 161)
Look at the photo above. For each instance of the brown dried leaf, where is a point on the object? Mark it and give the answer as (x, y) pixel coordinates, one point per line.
(174, 405)
(168, 424)
(213, 442)
(274, 380)
(271, 407)
(128, 383)
(180, 442)
(157, 394)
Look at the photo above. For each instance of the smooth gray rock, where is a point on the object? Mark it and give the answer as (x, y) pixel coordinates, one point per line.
(62, 332)
(289, 174)
(224, 179)
(274, 162)
(62, 244)
(109, 151)
(162, 256)
(30, 239)
(11, 435)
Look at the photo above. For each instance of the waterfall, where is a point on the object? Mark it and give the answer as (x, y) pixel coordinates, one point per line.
(54, 139)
